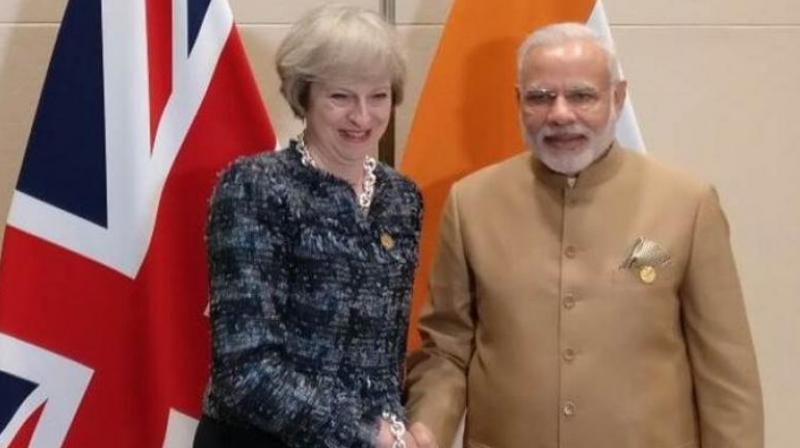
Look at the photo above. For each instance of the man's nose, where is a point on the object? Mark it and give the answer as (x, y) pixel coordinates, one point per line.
(561, 112)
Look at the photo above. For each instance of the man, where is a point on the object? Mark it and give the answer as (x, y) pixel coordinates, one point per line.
(583, 295)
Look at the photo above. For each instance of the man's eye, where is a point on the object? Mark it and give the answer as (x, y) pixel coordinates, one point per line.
(582, 97)
(538, 97)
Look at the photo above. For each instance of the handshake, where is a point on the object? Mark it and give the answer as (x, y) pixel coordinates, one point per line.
(417, 436)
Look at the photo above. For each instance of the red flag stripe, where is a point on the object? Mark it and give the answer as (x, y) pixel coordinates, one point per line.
(159, 52)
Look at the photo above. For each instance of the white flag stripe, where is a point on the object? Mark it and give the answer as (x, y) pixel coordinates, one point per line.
(61, 394)
(628, 133)
(180, 430)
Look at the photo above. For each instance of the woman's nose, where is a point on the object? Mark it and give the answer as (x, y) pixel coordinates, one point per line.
(359, 113)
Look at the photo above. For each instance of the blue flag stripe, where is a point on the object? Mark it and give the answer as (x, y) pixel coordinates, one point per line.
(64, 162)
(14, 391)
(197, 11)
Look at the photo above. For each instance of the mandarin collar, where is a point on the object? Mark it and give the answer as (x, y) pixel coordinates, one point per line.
(595, 174)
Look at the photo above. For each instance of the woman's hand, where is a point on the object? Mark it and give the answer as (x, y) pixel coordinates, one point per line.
(386, 439)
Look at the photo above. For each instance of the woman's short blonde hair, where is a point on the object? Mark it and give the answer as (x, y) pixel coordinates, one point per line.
(338, 42)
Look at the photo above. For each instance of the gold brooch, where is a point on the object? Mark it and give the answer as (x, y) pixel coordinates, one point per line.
(387, 241)
(645, 256)
(647, 274)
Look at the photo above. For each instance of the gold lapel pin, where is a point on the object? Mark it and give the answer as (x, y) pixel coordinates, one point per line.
(387, 241)
(647, 274)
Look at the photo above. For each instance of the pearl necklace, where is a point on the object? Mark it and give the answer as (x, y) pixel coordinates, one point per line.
(367, 184)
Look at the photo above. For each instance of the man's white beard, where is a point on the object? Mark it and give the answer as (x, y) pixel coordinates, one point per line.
(571, 162)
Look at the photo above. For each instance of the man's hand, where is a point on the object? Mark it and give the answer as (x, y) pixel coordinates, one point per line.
(422, 435)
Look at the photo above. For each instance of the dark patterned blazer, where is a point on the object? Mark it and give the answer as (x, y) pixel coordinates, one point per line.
(309, 300)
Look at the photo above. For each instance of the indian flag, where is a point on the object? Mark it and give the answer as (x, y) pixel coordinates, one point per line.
(466, 117)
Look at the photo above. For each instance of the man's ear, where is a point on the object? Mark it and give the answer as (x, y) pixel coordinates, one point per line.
(516, 94)
(620, 92)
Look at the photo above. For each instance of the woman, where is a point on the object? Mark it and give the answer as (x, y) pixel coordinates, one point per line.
(312, 251)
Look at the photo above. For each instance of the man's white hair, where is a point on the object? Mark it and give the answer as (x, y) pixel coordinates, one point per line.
(562, 33)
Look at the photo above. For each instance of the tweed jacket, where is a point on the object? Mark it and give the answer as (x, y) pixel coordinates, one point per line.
(551, 334)
(309, 300)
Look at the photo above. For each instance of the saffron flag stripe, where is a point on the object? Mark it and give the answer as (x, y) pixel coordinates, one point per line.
(466, 117)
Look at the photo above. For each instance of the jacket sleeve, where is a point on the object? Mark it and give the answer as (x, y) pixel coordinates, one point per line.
(727, 388)
(416, 226)
(247, 242)
(437, 371)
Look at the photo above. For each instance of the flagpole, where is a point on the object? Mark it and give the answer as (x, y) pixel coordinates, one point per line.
(388, 10)
(386, 146)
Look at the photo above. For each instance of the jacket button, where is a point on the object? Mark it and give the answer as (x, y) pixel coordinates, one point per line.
(569, 300)
(569, 355)
(570, 252)
(569, 409)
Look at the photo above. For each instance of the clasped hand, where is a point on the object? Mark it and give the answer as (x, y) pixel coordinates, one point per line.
(417, 436)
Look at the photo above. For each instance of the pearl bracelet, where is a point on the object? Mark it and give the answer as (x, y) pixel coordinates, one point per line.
(396, 427)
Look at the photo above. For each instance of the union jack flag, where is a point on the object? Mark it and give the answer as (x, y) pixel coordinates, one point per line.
(103, 340)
